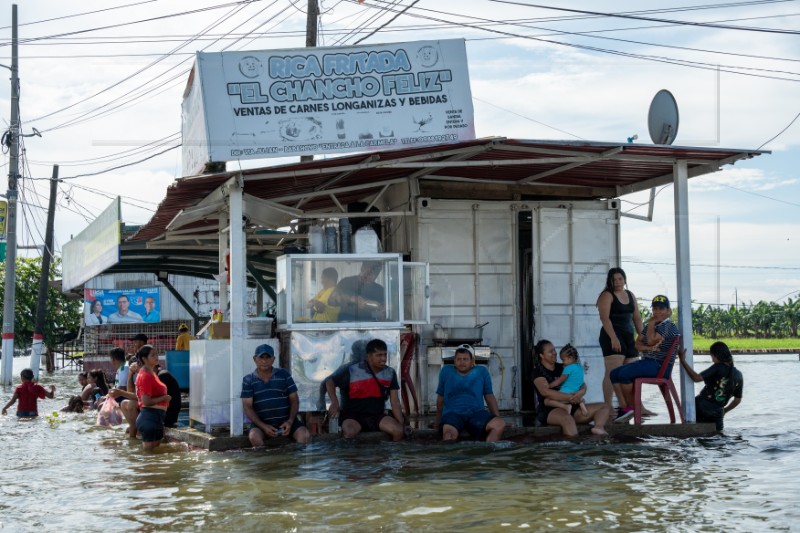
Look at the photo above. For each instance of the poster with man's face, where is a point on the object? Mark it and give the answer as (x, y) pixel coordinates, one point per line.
(121, 306)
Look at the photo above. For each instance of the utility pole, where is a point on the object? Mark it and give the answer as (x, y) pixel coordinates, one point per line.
(11, 226)
(311, 24)
(41, 305)
(312, 16)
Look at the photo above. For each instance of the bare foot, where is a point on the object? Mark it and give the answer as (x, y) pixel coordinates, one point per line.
(647, 412)
(584, 410)
(598, 431)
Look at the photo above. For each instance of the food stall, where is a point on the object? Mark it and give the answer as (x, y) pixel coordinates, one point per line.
(376, 295)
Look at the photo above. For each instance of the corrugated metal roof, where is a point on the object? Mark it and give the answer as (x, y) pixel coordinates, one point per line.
(590, 169)
(528, 168)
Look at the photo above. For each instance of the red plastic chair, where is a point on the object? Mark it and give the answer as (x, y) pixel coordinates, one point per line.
(665, 385)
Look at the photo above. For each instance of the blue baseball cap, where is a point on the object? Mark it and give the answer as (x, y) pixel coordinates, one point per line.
(264, 349)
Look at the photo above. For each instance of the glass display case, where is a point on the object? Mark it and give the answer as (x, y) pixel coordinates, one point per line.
(332, 291)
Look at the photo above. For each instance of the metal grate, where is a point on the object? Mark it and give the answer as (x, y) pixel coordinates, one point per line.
(99, 340)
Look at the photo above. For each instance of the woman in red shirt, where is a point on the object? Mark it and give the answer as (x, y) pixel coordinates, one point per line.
(153, 398)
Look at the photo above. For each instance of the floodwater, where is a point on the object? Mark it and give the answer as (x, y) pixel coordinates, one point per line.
(69, 475)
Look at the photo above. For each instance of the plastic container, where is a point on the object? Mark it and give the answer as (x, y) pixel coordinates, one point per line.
(331, 239)
(333, 425)
(345, 236)
(316, 239)
(366, 241)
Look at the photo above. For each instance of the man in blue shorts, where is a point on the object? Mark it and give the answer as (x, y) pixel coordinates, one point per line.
(653, 343)
(365, 387)
(269, 400)
(462, 389)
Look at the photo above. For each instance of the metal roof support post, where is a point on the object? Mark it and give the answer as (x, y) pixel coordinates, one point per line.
(238, 300)
(682, 265)
(223, 268)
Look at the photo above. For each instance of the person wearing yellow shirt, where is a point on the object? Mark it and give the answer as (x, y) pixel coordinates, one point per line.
(321, 310)
(182, 342)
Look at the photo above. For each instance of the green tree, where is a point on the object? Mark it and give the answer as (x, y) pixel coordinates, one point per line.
(62, 315)
(791, 313)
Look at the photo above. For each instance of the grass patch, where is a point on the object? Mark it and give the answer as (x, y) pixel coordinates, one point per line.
(790, 343)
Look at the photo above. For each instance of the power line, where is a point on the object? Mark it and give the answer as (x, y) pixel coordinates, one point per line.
(113, 157)
(373, 32)
(701, 265)
(105, 171)
(780, 132)
(80, 14)
(528, 118)
(653, 19)
(131, 76)
(750, 192)
(131, 23)
(658, 59)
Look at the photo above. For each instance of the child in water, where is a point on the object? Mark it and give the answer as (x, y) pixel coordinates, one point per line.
(28, 392)
(570, 381)
(75, 405)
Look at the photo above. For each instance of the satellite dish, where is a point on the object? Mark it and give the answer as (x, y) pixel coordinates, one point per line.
(662, 119)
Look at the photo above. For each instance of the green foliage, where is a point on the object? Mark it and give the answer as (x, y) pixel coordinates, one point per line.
(763, 320)
(62, 315)
(749, 343)
(53, 419)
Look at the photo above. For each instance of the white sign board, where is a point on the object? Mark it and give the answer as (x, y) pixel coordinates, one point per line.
(94, 249)
(278, 103)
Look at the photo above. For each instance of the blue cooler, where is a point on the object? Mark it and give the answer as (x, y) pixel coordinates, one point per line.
(178, 366)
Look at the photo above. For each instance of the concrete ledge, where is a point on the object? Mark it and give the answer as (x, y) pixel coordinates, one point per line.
(218, 441)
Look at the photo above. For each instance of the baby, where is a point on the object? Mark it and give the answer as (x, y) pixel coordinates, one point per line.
(570, 381)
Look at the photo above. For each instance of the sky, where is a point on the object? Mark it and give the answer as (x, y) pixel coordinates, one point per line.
(102, 83)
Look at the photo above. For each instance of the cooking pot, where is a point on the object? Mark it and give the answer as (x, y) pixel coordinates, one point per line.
(473, 335)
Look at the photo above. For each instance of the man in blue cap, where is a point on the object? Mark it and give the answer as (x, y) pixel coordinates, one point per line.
(269, 400)
(653, 343)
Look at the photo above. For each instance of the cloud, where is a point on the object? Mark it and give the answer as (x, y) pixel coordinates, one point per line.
(751, 179)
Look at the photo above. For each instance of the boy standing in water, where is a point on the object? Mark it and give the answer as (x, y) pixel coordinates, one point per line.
(28, 392)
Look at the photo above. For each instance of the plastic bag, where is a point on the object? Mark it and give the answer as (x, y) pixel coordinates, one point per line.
(109, 414)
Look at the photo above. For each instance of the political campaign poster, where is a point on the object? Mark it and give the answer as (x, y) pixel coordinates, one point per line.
(121, 306)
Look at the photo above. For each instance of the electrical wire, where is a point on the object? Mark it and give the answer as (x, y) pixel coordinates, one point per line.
(148, 92)
(793, 204)
(379, 28)
(528, 118)
(130, 23)
(113, 157)
(694, 265)
(107, 170)
(141, 70)
(74, 15)
(653, 19)
(660, 59)
(780, 132)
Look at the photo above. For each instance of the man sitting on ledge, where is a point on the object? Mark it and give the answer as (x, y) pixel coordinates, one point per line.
(365, 388)
(462, 389)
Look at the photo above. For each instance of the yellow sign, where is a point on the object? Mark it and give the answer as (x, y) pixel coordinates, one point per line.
(3, 211)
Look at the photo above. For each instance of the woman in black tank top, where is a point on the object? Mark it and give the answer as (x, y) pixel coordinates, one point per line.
(622, 323)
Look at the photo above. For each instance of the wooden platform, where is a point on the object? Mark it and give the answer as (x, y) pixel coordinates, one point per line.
(219, 441)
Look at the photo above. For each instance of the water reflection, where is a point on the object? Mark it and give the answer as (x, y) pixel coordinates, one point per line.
(742, 481)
